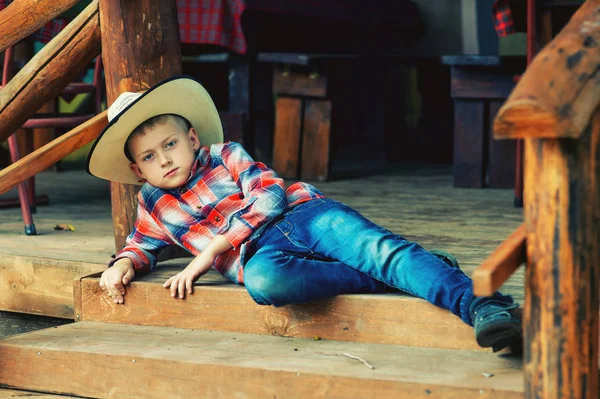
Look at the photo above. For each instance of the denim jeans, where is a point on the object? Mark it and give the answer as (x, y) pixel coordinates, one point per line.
(323, 248)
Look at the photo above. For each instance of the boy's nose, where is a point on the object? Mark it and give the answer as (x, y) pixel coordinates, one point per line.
(165, 161)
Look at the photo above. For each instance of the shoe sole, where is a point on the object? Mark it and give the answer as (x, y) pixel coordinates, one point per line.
(499, 337)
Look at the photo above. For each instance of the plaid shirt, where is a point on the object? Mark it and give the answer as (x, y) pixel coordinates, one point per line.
(503, 18)
(228, 193)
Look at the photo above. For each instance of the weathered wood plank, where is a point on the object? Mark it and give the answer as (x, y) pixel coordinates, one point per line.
(50, 70)
(391, 318)
(299, 84)
(501, 263)
(51, 153)
(21, 18)
(40, 286)
(141, 47)
(13, 393)
(286, 140)
(562, 213)
(557, 95)
(168, 362)
(316, 135)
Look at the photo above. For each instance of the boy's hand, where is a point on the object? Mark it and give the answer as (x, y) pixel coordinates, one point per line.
(184, 280)
(115, 278)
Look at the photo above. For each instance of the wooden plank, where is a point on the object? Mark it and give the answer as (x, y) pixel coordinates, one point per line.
(13, 393)
(558, 94)
(501, 263)
(562, 214)
(391, 318)
(502, 155)
(52, 152)
(50, 70)
(21, 18)
(467, 165)
(299, 84)
(316, 136)
(138, 52)
(286, 142)
(168, 362)
(40, 286)
(481, 82)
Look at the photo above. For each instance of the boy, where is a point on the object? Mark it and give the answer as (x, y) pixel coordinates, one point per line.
(286, 246)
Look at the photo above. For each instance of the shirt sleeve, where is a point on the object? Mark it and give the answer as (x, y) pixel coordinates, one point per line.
(145, 241)
(264, 193)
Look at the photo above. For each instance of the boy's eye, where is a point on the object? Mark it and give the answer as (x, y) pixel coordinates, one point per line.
(170, 144)
(148, 157)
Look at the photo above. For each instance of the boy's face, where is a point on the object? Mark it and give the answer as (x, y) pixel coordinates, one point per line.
(164, 154)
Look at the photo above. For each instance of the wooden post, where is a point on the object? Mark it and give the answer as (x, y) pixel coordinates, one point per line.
(140, 47)
(562, 212)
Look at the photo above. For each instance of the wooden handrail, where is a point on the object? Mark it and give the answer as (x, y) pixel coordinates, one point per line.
(557, 95)
(50, 70)
(21, 18)
(501, 264)
(52, 152)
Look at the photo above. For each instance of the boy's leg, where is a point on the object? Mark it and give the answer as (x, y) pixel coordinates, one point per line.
(276, 277)
(330, 229)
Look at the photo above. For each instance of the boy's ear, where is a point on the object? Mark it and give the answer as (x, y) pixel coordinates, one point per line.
(194, 138)
(136, 169)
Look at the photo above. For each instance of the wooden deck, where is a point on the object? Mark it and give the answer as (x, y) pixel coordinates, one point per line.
(419, 203)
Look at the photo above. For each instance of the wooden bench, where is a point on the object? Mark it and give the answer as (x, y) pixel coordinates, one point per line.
(479, 86)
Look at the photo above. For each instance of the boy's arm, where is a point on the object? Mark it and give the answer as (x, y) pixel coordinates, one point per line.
(184, 280)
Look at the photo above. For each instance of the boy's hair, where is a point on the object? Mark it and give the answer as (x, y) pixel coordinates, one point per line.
(150, 123)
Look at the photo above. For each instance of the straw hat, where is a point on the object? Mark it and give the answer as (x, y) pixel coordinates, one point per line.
(180, 95)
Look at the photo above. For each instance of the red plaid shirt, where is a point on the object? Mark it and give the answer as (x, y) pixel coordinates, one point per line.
(228, 194)
(212, 22)
(503, 18)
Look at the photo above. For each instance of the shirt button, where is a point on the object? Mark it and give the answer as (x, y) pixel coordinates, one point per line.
(181, 190)
(218, 219)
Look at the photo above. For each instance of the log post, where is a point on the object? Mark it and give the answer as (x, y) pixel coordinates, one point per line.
(555, 108)
(140, 47)
(562, 212)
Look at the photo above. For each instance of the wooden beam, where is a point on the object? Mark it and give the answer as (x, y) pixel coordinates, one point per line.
(140, 41)
(40, 286)
(562, 213)
(557, 95)
(21, 18)
(384, 319)
(100, 360)
(51, 153)
(50, 70)
(501, 264)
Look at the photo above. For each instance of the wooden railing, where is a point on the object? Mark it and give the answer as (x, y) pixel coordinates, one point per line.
(555, 109)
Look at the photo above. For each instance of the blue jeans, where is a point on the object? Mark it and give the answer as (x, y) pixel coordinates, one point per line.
(323, 248)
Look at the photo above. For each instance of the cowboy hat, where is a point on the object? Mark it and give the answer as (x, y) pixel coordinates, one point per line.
(179, 95)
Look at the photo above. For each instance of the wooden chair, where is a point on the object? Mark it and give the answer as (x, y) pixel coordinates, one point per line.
(27, 199)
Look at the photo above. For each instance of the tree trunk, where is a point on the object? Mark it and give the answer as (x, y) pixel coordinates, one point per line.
(140, 47)
(50, 71)
(562, 211)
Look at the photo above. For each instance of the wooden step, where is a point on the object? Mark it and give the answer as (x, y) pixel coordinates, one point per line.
(13, 393)
(218, 305)
(104, 360)
(40, 286)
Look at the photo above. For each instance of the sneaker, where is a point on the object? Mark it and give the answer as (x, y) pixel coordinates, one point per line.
(446, 257)
(495, 325)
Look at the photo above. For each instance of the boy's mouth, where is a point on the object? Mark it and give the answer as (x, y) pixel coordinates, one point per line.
(171, 172)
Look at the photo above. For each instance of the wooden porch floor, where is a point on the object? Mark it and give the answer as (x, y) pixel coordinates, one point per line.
(418, 202)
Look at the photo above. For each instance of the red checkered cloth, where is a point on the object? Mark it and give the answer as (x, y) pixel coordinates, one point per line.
(503, 18)
(215, 22)
(48, 31)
